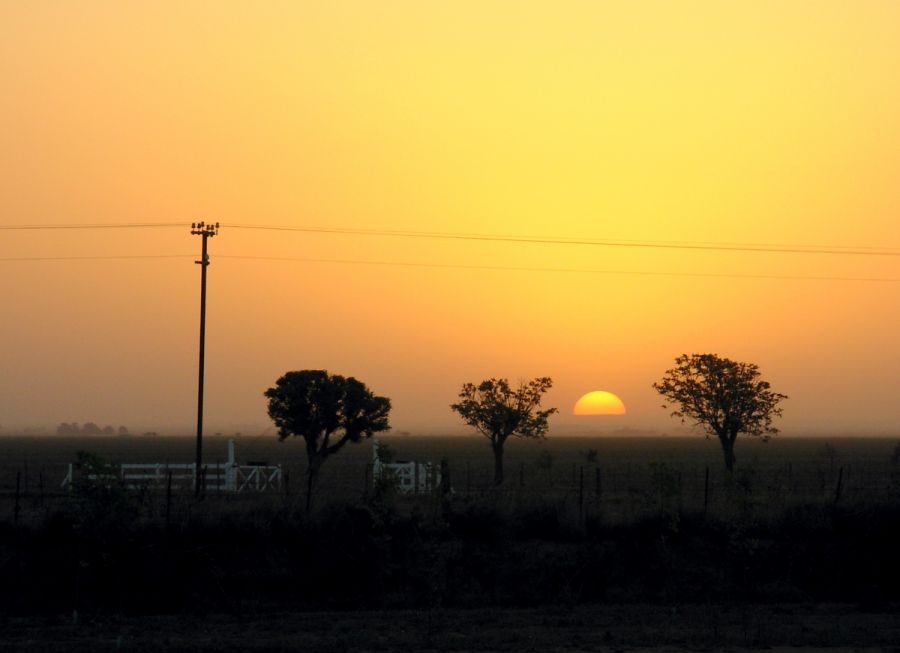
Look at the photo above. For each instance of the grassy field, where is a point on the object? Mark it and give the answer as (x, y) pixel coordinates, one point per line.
(625, 477)
(804, 523)
(549, 461)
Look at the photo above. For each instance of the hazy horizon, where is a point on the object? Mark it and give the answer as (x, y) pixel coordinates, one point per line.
(557, 431)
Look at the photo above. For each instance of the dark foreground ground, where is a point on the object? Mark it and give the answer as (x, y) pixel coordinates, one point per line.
(794, 627)
(626, 554)
(477, 577)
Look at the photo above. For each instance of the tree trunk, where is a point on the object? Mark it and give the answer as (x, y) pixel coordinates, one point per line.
(728, 451)
(498, 463)
(312, 473)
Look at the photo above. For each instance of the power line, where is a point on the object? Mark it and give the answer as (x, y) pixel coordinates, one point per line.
(839, 250)
(502, 268)
(121, 225)
(681, 245)
(114, 257)
(453, 266)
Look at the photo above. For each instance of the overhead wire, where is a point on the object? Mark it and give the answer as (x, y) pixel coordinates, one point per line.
(121, 225)
(453, 266)
(687, 245)
(545, 240)
(504, 268)
(110, 257)
(683, 245)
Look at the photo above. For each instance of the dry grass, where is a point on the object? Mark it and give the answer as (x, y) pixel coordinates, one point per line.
(800, 628)
(635, 474)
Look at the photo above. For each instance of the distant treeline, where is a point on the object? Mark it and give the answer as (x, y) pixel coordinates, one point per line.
(89, 428)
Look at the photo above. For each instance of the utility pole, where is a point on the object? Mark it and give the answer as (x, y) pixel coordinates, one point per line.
(205, 231)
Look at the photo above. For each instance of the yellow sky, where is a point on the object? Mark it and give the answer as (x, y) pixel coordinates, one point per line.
(756, 122)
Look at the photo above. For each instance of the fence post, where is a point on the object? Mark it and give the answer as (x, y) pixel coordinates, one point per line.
(16, 507)
(367, 476)
(41, 486)
(168, 495)
(468, 478)
(521, 474)
(837, 490)
(446, 488)
(598, 482)
(706, 492)
(581, 490)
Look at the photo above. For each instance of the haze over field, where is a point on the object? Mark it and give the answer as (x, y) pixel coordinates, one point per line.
(745, 123)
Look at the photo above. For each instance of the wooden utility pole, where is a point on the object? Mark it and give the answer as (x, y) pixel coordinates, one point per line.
(205, 231)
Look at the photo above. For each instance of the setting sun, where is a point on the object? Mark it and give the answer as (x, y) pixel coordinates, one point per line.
(599, 402)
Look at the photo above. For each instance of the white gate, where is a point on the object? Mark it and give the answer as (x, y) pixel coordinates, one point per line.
(218, 477)
(411, 477)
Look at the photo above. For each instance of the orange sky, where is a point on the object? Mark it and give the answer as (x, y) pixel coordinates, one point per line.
(756, 122)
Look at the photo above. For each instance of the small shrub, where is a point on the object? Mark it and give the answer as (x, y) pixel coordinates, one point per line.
(100, 500)
(590, 456)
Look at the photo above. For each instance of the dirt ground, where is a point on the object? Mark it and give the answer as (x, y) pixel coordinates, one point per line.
(794, 628)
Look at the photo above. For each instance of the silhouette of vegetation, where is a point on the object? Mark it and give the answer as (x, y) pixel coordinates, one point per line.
(386, 485)
(385, 453)
(543, 463)
(100, 500)
(591, 456)
(468, 554)
(89, 428)
(723, 396)
(665, 486)
(68, 429)
(327, 411)
(107, 550)
(498, 411)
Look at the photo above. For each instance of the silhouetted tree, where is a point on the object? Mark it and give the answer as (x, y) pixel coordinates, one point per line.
(723, 396)
(89, 428)
(498, 411)
(327, 411)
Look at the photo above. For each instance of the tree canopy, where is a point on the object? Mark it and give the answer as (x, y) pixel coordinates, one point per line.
(724, 397)
(327, 411)
(498, 411)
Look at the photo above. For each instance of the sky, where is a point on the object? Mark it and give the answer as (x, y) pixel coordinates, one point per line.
(695, 122)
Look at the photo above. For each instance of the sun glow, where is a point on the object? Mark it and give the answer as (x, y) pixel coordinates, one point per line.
(599, 402)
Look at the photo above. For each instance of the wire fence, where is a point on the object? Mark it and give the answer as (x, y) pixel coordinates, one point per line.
(28, 493)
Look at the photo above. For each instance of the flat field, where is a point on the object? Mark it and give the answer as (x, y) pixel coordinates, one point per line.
(623, 476)
(591, 544)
